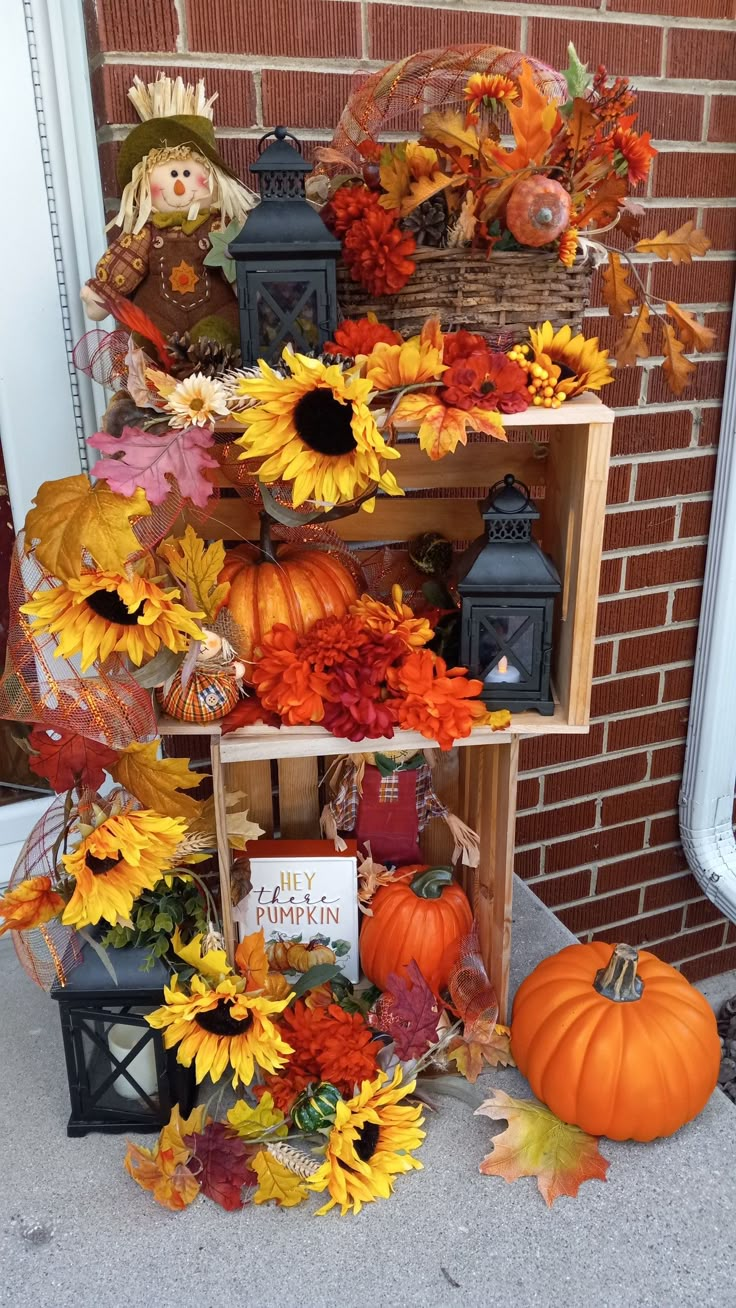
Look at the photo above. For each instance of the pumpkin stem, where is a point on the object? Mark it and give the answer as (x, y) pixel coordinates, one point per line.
(430, 883)
(618, 981)
(268, 548)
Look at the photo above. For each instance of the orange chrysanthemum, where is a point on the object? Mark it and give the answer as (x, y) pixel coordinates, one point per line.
(329, 1045)
(378, 252)
(348, 206)
(332, 640)
(439, 703)
(29, 904)
(486, 89)
(357, 336)
(285, 680)
(568, 247)
(395, 619)
(632, 153)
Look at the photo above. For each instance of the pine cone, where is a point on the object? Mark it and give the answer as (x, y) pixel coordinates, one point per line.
(204, 355)
(428, 222)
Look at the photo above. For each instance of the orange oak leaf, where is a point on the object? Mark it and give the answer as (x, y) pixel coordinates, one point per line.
(491, 1046)
(536, 1143)
(631, 344)
(581, 125)
(251, 961)
(442, 428)
(66, 759)
(448, 129)
(679, 246)
(603, 204)
(424, 188)
(395, 177)
(694, 335)
(532, 122)
(617, 293)
(29, 904)
(677, 368)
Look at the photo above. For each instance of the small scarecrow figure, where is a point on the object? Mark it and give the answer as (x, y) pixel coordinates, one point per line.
(177, 192)
(385, 801)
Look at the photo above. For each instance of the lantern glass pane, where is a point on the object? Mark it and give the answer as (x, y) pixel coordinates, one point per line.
(288, 313)
(507, 647)
(106, 1040)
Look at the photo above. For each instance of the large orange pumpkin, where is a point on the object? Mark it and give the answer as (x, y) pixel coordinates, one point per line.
(290, 584)
(538, 211)
(616, 1042)
(422, 915)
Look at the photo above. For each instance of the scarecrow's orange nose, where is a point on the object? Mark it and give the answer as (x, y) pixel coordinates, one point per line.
(179, 187)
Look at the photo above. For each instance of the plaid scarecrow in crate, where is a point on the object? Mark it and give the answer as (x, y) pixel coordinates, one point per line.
(385, 801)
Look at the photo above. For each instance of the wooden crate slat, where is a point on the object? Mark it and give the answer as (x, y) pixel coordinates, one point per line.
(299, 798)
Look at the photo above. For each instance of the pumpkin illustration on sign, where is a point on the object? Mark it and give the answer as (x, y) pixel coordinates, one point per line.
(292, 954)
(615, 1041)
(422, 916)
(290, 584)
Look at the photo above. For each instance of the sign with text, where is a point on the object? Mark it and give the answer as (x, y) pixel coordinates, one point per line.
(304, 896)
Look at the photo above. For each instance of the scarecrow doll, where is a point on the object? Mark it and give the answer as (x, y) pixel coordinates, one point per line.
(177, 192)
(385, 801)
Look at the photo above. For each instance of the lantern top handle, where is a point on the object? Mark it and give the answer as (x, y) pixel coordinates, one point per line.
(510, 496)
(279, 155)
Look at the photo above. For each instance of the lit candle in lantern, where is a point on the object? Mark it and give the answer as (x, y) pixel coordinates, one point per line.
(503, 672)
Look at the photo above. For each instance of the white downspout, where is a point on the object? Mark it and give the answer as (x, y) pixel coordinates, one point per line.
(707, 794)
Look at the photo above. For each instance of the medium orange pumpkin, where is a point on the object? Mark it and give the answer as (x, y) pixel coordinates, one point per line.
(538, 211)
(290, 584)
(422, 915)
(615, 1041)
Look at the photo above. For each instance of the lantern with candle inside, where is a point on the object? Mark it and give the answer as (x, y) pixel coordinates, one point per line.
(508, 588)
(120, 1076)
(285, 260)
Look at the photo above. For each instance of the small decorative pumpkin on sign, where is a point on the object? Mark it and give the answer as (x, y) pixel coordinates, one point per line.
(423, 915)
(615, 1041)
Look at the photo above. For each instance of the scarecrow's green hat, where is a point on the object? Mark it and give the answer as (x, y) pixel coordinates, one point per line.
(172, 130)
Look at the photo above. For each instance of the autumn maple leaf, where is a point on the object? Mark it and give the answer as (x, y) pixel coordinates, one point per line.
(156, 782)
(67, 759)
(442, 428)
(148, 460)
(536, 1143)
(408, 1012)
(221, 1163)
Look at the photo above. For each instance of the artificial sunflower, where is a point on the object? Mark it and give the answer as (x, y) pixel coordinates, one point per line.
(197, 401)
(116, 860)
(418, 359)
(29, 904)
(101, 613)
(560, 365)
(369, 1144)
(313, 428)
(221, 1026)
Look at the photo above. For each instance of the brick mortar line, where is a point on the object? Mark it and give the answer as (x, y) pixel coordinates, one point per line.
(587, 899)
(571, 13)
(663, 588)
(565, 765)
(680, 933)
(182, 38)
(599, 794)
(352, 64)
(549, 841)
(636, 551)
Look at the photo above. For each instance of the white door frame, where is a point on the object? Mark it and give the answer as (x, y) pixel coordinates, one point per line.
(51, 234)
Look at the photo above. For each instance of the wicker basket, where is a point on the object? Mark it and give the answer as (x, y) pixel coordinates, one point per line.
(506, 293)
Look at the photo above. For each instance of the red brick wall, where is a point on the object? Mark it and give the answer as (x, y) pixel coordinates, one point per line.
(597, 834)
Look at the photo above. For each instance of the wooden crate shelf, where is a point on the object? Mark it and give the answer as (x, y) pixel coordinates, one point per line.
(563, 455)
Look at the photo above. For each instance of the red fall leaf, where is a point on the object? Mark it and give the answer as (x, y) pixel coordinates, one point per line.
(221, 1163)
(66, 759)
(249, 713)
(408, 1012)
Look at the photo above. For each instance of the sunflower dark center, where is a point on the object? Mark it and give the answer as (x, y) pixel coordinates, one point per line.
(219, 1021)
(323, 423)
(107, 604)
(565, 372)
(367, 1142)
(99, 866)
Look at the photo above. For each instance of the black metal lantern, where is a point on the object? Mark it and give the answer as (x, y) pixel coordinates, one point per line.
(508, 589)
(120, 1076)
(285, 258)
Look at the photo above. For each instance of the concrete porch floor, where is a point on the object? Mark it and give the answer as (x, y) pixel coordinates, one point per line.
(75, 1230)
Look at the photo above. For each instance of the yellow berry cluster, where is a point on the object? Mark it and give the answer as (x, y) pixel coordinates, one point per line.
(541, 385)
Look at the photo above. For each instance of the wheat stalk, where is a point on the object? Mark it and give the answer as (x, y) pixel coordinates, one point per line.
(303, 1165)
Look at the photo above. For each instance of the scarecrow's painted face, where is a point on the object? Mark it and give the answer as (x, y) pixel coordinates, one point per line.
(175, 186)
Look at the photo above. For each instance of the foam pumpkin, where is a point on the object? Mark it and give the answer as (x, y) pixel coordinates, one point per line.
(286, 583)
(538, 211)
(615, 1041)
(422, 915)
